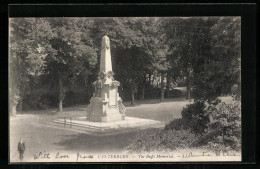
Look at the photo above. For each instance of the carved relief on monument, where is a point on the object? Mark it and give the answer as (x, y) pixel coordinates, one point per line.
(113, 97)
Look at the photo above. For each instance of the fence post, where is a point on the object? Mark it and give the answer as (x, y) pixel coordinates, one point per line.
(70, 122)
(64, 121)
(139, 120)
(114, 125)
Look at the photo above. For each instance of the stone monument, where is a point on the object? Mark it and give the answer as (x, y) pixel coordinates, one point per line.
(106, 113)
(106, 104)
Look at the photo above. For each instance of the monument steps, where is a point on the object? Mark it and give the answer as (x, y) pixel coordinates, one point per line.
(107, 128)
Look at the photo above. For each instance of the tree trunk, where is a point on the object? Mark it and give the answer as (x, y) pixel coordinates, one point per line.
(153, 79)
(21, 105)
(133, 90)
(150, 79)
(188, 88)
(143, 87)
(14, 98)
(162, 88)
(61, 94)
(13, 108)
(142, 94)
(13, 104)
(168, 86)
(60, 105)
(132, 98)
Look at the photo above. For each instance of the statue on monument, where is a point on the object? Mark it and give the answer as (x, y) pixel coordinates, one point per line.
(97, 87)
(106, 104)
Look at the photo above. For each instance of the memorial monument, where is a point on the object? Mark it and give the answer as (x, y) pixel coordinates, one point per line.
(106, 104)
(106, 113)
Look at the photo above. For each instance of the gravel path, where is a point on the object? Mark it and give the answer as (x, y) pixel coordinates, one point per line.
(41, 138)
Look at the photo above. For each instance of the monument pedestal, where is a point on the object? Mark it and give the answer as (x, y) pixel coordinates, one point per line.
(108, 107)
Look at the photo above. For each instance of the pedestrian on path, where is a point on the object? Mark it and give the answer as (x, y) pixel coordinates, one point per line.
(21, 149)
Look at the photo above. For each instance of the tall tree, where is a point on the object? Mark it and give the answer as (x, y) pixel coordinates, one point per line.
(157, 49)
(207, 52)
(222, 70)
(28, 37)
(75, 53)
(50, 52)
(189, 40)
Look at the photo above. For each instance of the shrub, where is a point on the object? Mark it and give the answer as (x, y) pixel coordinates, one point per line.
(215, 126)
(160, 140)
(195, 118)
(152, 92)
(175, 93)
(224, 130)
(176, 124)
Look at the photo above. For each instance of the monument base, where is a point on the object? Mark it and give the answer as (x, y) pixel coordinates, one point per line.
(97, 111)
(107, 128)
(111, 118)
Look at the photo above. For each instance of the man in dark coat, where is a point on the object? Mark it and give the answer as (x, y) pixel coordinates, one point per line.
(21, 148)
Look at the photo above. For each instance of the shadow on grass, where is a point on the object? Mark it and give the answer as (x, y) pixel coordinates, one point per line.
(95, 144)
(53, 111)
(82, 108)
(153, 101)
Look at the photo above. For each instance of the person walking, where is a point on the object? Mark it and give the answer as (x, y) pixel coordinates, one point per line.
(21, 149)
